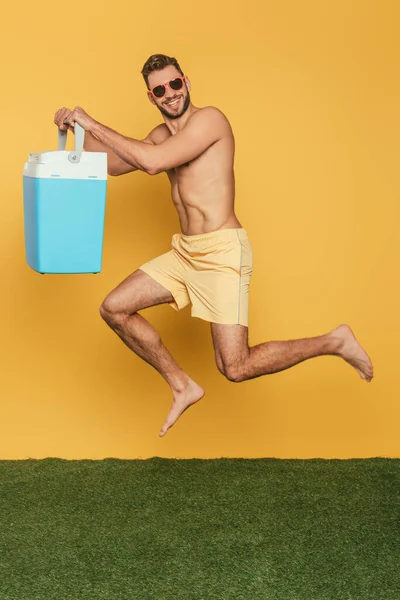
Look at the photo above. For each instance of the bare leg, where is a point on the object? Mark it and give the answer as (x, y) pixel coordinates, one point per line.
(141, 337)
(239, 362)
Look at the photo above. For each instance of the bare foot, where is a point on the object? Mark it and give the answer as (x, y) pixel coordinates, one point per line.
(182, 400)
(352, 352)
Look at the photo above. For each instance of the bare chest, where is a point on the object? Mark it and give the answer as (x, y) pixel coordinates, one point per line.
(189, 173)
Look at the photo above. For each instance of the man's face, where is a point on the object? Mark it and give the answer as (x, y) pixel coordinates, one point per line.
(164, 104)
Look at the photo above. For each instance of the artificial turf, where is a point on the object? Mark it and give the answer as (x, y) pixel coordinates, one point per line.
(218, 529)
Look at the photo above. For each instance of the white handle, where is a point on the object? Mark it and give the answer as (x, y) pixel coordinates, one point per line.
(75, 155)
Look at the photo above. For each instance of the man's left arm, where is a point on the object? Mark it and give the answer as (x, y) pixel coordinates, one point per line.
(204, 128)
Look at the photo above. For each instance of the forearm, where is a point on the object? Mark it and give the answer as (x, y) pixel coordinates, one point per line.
(92, 144)
(131, 151)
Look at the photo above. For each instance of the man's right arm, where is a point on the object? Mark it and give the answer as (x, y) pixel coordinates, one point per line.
(117, 166)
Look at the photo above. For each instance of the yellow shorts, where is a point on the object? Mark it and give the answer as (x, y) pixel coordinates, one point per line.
(211, 271)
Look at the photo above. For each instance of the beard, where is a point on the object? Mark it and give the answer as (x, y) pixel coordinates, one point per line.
(165, 111)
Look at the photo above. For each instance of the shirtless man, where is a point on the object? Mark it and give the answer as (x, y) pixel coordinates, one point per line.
(210, 263)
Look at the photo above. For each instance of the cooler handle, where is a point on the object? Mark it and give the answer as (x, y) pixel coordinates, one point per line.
(75, 155)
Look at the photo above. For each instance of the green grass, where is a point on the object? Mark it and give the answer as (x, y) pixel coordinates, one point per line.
(224, 529)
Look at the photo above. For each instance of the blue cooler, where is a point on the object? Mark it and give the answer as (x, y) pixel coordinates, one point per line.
(64, 208)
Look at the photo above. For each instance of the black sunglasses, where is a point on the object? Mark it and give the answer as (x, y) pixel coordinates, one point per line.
(175, 84)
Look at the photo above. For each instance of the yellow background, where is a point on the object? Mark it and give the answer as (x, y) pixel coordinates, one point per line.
(312, 91)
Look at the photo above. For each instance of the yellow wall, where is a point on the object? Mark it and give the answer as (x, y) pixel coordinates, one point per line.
(312, 91)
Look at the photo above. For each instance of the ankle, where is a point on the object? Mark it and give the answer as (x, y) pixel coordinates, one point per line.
(335, 344)
(180, 383)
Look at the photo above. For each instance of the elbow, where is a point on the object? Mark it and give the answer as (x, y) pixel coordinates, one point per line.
(113, 170)
(152, 168)
(149, 161)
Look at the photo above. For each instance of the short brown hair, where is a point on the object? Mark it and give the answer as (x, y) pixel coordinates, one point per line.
(157, 62)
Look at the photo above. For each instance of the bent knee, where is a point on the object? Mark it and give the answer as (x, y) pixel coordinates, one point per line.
(110, 311)
(233, 373)
(105, 313)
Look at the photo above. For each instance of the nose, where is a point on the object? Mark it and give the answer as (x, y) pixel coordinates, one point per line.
(169, 92)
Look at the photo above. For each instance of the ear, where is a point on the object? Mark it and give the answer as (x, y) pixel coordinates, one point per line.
(150, 96)
(189, 85)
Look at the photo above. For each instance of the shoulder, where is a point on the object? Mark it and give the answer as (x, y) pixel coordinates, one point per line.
(211, 119)
(210, 113)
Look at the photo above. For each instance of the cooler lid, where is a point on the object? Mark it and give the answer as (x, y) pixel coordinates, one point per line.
(59, 156)
(77, 164)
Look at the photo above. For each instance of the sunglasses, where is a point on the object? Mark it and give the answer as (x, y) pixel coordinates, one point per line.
(175, 84)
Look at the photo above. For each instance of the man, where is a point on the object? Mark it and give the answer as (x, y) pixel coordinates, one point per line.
(210, 263)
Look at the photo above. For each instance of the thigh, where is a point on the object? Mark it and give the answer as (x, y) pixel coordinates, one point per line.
(136, 292)
(230, 343)
(219, 280)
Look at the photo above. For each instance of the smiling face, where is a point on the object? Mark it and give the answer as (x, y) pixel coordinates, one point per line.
(174, 103)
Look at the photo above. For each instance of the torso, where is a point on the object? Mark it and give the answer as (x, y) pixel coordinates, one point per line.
(203, 191)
